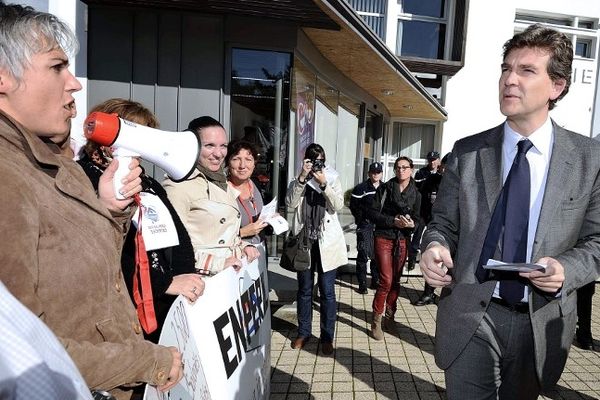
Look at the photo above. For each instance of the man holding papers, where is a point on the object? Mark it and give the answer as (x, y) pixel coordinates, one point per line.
(524, 192)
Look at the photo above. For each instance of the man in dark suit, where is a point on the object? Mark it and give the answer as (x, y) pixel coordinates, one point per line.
(525, 191)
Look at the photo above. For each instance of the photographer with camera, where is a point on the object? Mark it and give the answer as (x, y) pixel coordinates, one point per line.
(316, 196)
(394, 211)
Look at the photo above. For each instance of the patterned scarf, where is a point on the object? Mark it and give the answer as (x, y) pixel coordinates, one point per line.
(313, 209)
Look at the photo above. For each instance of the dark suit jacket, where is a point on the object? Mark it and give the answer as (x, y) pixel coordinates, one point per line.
(568, 230)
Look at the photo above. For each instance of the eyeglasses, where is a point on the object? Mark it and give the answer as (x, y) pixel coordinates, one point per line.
(403, 167)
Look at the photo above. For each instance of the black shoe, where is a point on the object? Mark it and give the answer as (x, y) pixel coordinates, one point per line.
(373, 284)
(410, 265)
(584, 341)
(586, 344)
(327, 348)
(425, 299)
(362, 290)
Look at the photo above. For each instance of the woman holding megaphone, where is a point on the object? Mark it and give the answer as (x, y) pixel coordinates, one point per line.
(169, 256)
(207, 204)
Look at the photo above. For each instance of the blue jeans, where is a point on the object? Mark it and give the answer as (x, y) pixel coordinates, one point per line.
(326, 281)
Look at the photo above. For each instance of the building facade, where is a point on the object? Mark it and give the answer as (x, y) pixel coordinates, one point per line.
(280, 74)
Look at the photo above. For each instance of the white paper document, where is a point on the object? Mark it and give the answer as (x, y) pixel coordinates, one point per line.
(270, 216)
(519, 267)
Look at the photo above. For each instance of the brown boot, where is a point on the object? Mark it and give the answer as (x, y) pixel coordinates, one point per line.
(376, 330)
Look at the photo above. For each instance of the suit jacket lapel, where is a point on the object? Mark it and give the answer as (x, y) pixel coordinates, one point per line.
(491, 166)
(558, 176)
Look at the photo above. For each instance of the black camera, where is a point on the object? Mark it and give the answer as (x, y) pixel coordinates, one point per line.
(318, 165)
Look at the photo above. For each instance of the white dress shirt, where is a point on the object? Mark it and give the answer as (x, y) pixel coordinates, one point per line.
(34, 365)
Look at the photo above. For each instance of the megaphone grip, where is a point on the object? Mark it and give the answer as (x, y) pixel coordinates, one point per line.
(121, 172)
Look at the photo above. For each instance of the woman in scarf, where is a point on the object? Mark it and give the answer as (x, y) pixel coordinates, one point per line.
(316, 196)
(207, 205)
(171, 265)
(395, 208)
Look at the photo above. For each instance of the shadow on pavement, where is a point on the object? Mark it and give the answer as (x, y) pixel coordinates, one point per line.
(561, 392)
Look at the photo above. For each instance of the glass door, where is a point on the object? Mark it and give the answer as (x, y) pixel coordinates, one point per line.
(260, 109)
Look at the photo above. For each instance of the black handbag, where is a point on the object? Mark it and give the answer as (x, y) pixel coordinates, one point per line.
(295, 256)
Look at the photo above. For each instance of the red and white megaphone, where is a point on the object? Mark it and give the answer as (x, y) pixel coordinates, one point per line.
(175, 152)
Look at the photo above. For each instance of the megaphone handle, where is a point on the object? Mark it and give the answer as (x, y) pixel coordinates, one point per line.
(121, 172)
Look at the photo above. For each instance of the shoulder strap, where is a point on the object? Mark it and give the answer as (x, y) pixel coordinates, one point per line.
(383, 197)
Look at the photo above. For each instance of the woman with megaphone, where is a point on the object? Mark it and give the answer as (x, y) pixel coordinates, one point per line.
(167, 267)
(207, 204)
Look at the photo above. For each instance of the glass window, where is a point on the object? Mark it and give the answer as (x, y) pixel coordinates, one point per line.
(430, 8)
(421, 29)
(346, 160)
(260, 83)
(583, 48)
(585, 24)
(326, 120)
(412, 140)
(421, 39)
(372, 12)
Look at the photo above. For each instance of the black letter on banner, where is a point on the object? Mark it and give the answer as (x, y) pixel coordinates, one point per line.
(225, 344)
(265, 293)
(259, 297)
(238, 333)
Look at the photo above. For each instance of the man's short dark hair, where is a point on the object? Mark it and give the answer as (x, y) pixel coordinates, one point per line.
(556, 44)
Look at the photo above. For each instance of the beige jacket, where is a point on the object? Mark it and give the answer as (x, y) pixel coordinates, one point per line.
(211, 217)
(332, 244)
(60, 256)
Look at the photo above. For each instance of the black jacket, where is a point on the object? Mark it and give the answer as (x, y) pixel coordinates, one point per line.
(421, 175)
(360, 202)
(428, 194)
(164, 263)
(395, 203)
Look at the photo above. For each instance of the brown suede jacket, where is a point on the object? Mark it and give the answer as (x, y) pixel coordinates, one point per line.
(60, 256)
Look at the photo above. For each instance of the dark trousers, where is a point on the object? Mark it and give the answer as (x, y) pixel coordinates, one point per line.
(391, 256)
(498, 362)
(584, 311)
(415, 241)
(364, 246)
(327, 309)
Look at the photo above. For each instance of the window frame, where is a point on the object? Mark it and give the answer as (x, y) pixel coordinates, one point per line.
(445, 20)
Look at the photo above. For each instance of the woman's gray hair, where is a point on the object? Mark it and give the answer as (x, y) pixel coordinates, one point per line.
(25, 32)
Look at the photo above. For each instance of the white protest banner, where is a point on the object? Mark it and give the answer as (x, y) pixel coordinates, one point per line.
(225, 339)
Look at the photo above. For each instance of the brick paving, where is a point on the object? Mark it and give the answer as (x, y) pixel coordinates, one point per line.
(399, 367)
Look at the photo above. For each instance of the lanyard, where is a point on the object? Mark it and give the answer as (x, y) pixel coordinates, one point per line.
(251, 199)
(143, 299)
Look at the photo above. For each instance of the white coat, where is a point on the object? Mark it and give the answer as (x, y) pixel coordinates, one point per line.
(331, 243)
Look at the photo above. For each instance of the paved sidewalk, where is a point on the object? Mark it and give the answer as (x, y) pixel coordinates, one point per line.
(399, 367)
